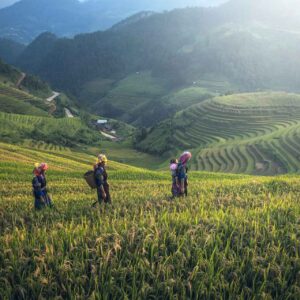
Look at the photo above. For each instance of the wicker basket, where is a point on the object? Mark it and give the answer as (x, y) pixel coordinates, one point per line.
(90, 179)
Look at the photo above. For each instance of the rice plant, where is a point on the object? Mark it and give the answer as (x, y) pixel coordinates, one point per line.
(233, 237)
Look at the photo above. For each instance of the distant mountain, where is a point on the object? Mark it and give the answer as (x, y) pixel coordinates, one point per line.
(136, 70)
(26, 19)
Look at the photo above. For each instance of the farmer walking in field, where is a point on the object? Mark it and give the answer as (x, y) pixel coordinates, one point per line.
(182, 170)
(179, 171)
(101, 176)
(39, 185)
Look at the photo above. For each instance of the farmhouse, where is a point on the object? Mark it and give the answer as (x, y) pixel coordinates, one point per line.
(101, 122)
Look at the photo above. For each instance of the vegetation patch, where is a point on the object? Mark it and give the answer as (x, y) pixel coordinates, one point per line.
(233, 236)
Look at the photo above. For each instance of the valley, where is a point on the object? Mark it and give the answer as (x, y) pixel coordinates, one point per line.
(141, 82)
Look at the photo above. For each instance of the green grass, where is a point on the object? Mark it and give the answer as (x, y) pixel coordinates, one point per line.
(13, 105)
(246, 133)
(262, 100)
(140, 99)
(216, 85)
(189, 96)
(133, 91)
(136, 99)
(13, 100)
(234, 236)
(124, 153)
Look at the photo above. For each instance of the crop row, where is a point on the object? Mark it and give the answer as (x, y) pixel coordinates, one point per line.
(207, 125)
(267, 156)
(228, 239)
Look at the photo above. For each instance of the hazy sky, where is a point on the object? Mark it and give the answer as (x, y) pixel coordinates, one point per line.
(4, 3)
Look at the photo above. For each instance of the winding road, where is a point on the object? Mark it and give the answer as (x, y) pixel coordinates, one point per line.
(68, 113)
(54, 95)
(113, 138)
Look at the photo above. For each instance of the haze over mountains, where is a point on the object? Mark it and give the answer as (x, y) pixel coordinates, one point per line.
(242, 45)
(26, 19)
(220, 81)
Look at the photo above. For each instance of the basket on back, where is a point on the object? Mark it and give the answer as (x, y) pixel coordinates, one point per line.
(90, 179)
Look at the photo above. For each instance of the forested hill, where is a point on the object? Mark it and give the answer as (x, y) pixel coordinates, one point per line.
(227, 45)
(26, 19)
(192, 41)
(10, 50)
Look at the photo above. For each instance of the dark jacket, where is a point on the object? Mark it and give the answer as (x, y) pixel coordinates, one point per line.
(100, 175)
(39, 184)
(181, 171)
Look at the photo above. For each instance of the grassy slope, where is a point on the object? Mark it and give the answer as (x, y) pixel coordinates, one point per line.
(28, 99)
(234, 236)
(189, 96)
(125, 96)
(124, 153)
(64, 131)
(247, 133)
(13, 100)
(141, 95)
(56, 133)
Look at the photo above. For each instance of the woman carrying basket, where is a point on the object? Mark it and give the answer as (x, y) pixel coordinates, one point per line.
(101, 176)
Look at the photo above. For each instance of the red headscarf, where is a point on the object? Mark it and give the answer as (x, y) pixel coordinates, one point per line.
(40, 168)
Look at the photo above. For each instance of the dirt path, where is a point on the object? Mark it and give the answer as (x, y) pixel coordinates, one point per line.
(54, 95)
(68, 113)
(18, 84)
(111, 137)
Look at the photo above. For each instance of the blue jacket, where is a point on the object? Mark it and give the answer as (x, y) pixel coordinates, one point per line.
(39, 184)
(100, 176)
(181, 171)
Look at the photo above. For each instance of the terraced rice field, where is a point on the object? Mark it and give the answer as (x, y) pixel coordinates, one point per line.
(261, 139)
(247, 133)
(233, 237)
(32, 121)
(63, 131)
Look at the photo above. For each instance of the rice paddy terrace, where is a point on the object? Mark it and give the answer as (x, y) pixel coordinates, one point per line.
(233, 237)
(62, 131)
(247, 133)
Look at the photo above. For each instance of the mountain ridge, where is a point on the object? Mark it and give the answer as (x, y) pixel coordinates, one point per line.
(25, 20)
(179, 49)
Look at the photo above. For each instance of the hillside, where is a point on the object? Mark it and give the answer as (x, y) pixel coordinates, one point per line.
(28, 117)
(26, 19)
(69, 132)
(246, 133)
(26, 114)
(168, 83)
(221, 82)
(209, 48)
(234, 235)
(10, 50)
(23, 93)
